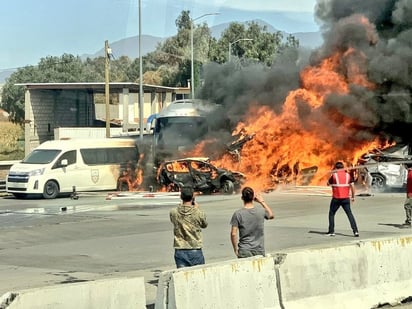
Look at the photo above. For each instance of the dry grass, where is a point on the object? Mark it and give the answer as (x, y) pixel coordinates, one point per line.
(10, 147)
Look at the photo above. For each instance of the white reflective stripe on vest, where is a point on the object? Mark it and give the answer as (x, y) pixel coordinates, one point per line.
(337, 183)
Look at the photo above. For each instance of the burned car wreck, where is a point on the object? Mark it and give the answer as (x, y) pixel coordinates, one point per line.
(199, 174)
(388, 167)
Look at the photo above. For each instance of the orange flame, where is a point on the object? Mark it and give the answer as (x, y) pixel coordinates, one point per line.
(303, 135)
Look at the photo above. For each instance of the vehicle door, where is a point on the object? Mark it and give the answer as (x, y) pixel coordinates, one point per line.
(68, 175)
(201, 173)
(181, 174)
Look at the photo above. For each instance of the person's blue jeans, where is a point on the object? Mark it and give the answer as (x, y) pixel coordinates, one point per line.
(335, 203)
(189, 257)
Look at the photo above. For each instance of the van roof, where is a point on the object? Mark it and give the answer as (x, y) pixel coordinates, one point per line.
(88, 143)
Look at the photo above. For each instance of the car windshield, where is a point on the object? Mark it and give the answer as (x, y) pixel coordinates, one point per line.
(41, 156)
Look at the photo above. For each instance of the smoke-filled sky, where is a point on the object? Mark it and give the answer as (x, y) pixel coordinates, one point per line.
(374, 39)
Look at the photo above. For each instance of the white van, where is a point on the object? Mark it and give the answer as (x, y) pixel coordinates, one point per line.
(57, 166)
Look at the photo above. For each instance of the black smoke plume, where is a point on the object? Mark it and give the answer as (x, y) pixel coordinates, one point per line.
(380, 31)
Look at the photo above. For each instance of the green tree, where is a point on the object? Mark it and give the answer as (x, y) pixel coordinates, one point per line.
(183, 21)
(13, 95)
(173, 57)
(234, 32)
(168, 65)
(94, 69)
(119, 69)
(64, 69)
(250, 41)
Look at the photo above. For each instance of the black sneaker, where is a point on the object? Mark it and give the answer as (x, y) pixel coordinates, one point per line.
(356, 234)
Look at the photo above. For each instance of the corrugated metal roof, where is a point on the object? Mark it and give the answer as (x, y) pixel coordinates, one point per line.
(99, 86)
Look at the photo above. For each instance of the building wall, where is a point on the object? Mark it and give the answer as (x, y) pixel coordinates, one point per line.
(50, 109)
(73, 109)
(153, 103)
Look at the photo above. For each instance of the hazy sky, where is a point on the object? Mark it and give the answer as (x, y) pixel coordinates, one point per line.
(32, 29)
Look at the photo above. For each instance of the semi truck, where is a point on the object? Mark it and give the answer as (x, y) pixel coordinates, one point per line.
(175, 130)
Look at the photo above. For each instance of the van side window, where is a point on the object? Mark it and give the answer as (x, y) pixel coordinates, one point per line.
(70, 156)
(95, 156)
(101, 156)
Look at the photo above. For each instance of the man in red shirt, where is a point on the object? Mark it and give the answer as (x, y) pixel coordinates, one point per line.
(408, 201)
(342, 187)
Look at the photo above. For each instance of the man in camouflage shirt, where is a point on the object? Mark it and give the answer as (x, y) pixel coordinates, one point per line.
(188, 220)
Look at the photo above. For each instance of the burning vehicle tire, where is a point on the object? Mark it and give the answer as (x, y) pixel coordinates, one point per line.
(199, 174)
(227, 187)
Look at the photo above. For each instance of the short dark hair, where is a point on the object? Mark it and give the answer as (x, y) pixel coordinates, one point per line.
(186, 194)
(248, 194)
(339, 165)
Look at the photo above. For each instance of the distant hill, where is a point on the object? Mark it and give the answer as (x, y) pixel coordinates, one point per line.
(5, 74)
(130, 46)
(306, 39)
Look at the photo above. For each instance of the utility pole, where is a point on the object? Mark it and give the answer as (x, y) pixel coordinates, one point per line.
(107, 53)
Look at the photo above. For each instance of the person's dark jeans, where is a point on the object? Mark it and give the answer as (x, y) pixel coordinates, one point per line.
(335, 203)
(189, 257)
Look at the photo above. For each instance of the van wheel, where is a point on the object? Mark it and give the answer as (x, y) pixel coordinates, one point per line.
(227, 187)
(51, 189)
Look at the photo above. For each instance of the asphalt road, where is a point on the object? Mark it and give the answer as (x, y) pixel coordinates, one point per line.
(47, 242)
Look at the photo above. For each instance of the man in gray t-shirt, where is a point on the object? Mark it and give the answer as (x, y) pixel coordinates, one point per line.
(248, 223)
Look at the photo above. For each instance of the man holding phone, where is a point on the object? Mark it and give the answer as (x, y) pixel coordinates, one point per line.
(248, 222)
(188, 221)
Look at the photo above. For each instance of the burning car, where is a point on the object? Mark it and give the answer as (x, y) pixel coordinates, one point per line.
(388, 166)
(200, 174)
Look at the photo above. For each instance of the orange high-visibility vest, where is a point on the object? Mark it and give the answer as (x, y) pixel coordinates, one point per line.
(409, 183)
(341, 184)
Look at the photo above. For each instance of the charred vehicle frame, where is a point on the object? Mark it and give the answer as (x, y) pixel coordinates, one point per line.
(200, 174)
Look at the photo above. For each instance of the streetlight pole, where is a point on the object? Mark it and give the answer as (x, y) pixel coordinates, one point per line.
(107, 53)
(141, 94)
(231, 43)
(192, 70)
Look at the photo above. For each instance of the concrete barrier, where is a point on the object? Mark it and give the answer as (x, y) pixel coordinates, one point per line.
(360, 274)
(363, 274)
(244, 283)
(117, 293)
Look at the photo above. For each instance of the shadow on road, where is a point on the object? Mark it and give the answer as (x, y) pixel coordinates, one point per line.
(325, 233)
(399, 226)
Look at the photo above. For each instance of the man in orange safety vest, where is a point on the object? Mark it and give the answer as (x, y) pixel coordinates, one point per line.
(343, 189)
